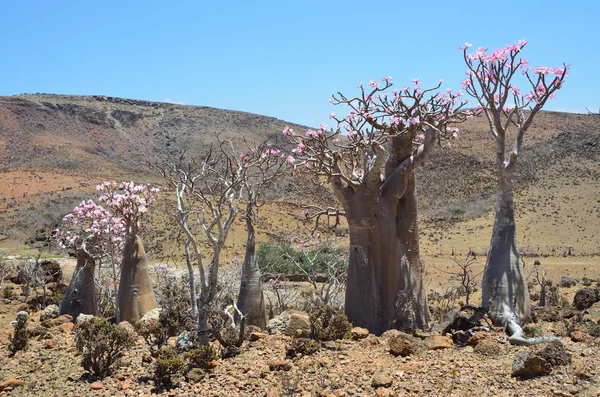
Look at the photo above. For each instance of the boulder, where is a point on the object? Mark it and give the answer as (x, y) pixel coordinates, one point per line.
(585, 298)
(439, 342)
(55, 322)
(183, 341)
(567, 282)
(488, 347)
(402, 345)
(592, 313)
(359, 333)
(527, 366)
(381, 379)
(289, 322)
(83, 318)
(125, 325)
(151, 315)
(555, 354)
(49, 313)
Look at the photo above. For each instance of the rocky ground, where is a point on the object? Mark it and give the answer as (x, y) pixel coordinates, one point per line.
(394, 364)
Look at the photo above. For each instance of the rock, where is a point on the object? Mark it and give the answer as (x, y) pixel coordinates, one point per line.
(439, 342)
(381, 379)
(65, 318)
(23, 307)
(555, 354)
(151, 315)
(183, 341)
(592, 313)
(67, 328)
(125, 386)
(96, 386)
(469, 317)
(11, 382)
(567, 282)
(402, 345)
(488, 347)
(254, 336)
(196, 375)
(384, 392)
(577, 336)
(125, 325)
(280, 365)
(359, 333)
(585, 298)
(49, 313)
(84, 318)
(526, 366)
(147, 358)
(289, 322)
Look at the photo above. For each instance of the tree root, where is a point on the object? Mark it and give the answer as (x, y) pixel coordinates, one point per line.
(517, 336)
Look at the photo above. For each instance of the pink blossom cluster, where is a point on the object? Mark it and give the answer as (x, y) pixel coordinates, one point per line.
(93, 225)
(494, 73)
(126, 199)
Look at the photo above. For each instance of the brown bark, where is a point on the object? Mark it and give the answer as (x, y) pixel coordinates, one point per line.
(135, 297)
(81, 294)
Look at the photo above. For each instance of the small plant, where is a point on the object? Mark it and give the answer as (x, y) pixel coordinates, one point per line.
(200, 356)
(19, 339)
(327, 323)
(168, 364)
(102, 344)
(303, 346)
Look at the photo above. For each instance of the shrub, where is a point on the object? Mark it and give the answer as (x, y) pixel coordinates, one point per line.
(102, 344)
(168, 364)
(327, 323)
(302, 346)
(200, 356)
(18, 341)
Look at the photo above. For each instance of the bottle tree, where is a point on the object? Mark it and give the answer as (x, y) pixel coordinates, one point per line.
(492, 81)
(369, 159)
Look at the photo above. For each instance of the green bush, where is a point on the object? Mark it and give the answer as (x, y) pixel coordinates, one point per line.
(19, 339)
(327, 323)
(168, 364)
(200, 356)
(102, 345)
(278, 258)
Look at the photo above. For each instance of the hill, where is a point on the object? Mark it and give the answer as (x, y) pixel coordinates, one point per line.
(55, 148)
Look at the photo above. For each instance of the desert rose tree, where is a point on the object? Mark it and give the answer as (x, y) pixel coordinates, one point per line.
(370, 160)
(95, 235)
(129, 202)
(491, 80)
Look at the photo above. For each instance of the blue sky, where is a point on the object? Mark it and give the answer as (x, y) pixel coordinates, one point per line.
(278, 58)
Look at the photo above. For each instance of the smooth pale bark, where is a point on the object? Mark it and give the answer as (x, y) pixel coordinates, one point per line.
(135, 297)
(384, 286)
(81, 294)
(251, 301)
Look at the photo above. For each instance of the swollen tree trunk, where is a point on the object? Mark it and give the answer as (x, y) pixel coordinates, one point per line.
(385, 285)
(135, 297)
(251, 301)
(504, 286)
(80, 297)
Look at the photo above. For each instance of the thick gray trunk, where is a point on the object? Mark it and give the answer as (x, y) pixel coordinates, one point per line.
(504, 287)
(190, 267)
(81, 294)
(251, 302)
(135, 297)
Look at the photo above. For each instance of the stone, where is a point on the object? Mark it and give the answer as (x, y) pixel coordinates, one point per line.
(151, 315)
(280, 365)
(84, 318)
(11, 383)
(592, 313)
(55, 322)
(195, 375)
(381, 379)
(183, 341)
(577, 336)
(66, 328)
(384, 392)
(567, 282)
(488, 347)
(96, 386)
(555, 354)
(359, 333)
(125, 386)
(49, 313)
(585, 298)
(289, 322)
(439, 342)
(402, 345)
(125, 325)
(254, 336)
(526, 366)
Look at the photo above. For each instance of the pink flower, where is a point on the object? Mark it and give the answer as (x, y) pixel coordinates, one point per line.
(335, 141)
(387, 79)
(331, 115)
(416, 81)
(287, 131)
(373, 84)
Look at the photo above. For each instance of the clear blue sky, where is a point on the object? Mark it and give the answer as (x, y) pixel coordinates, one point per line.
(281, 58)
